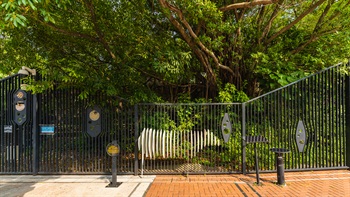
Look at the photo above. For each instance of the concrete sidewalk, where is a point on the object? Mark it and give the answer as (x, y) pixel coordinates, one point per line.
(72, 185)
(308, 183)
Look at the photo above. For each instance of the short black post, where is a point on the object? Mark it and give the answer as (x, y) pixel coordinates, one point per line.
(280, 169)
(114, 172)
(113, 150)
(280, 164)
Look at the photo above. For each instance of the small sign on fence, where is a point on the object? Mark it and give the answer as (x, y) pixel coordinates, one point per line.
(7, 128)
(47, 129)
(113, 149)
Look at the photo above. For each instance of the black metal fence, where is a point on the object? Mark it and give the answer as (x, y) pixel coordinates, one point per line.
(69, 147)
(307, 117)
(73, 149)
(15, 139)
(67, 134)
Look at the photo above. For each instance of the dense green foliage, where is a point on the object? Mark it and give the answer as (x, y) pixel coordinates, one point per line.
(160, 50)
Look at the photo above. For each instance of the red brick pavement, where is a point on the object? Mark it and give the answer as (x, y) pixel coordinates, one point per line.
(310, 183)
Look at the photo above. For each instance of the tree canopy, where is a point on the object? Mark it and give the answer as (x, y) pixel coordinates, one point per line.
(172, 50)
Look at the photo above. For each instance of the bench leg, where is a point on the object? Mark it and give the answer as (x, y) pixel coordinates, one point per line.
(256, 166)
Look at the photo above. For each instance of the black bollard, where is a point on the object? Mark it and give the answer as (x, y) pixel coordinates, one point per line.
(114, 172)
(280, 164)
(280, 170)
(113, 150)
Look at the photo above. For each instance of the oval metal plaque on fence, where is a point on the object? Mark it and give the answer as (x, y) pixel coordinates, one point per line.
(300, 136)
(20, 107)
(93, 123)
(226, 127)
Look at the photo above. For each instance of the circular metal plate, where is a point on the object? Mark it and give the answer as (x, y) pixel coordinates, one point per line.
(113, 149)
(94, 115)
(20, 106)
(20, 95)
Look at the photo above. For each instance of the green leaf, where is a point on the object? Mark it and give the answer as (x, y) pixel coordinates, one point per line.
(32, 5)
(21, 17)
(24, 2)
(7, 5)
(15, 22)
(8, 16)
(19, 20)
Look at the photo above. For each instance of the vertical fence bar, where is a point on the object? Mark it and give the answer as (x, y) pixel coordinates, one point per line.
(136, 149)
(347, 122)
(344, 130)
(331, 94)
(35, 136)
(244, 144)
(317, 122)
(327, 127)
(2, 123)
(335, 104)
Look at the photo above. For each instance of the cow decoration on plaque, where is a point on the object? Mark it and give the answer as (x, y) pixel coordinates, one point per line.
(226, 127)
(300, 135)
(20, 107)
(93, 123)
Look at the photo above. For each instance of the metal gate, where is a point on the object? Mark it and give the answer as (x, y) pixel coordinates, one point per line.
(66, 134)
(309, 117)
(56, 132)
(16, 127)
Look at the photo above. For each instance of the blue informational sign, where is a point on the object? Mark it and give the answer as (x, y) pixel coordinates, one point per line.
(47, 129)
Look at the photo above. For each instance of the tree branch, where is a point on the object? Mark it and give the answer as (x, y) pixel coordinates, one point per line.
(312, 39)
(161, 79)
(177, 25)
(337, 13)
(323, 15)
(98, 30)
(260, 17)
(284, 29)
(269, 23)
(317, 34)
(185, 36)
(66, 32)
(165, 4)
(248, 4)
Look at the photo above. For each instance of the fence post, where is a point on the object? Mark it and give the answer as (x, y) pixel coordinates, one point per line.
(35, 136)
(136, 149)
(347, 112)
(244, 162)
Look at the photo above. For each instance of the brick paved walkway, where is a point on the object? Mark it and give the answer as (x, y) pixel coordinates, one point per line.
(310, 183)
